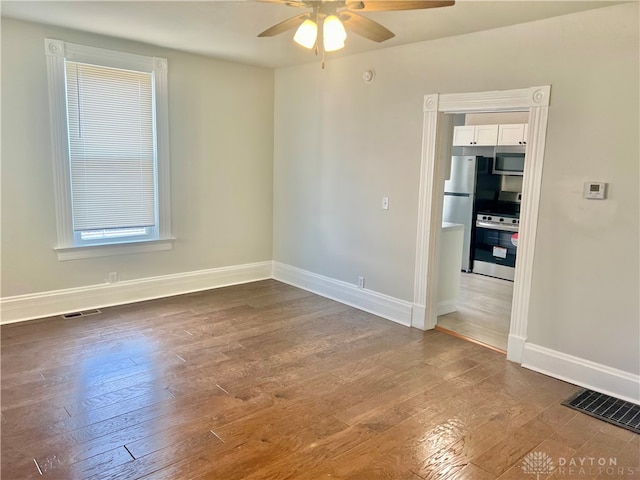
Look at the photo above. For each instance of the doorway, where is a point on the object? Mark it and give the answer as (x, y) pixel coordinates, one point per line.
(485, 200)
(436, 149)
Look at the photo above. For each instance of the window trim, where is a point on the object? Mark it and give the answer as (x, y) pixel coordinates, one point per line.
(107, 250)
(56, 52)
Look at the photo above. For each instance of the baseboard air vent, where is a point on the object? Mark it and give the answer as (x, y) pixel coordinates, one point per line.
(609, 409)
(84, 313)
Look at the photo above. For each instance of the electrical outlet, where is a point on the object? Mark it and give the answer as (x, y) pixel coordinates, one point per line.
(360, 282)
(113, 277)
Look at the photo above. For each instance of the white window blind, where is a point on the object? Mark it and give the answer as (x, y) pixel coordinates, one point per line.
(111, 147)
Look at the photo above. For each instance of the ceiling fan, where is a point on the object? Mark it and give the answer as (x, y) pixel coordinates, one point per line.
(324, 28)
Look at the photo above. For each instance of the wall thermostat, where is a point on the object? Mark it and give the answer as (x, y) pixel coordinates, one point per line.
(595, 190)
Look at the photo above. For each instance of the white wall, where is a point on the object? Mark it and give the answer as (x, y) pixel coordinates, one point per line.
(341, 145)
(221, 124)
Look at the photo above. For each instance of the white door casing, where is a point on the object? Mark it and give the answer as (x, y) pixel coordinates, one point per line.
(436, 148)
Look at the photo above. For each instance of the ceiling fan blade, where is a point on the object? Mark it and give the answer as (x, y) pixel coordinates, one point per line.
(365, 27)
(388, 5)
(282, 27)
(354, 4)
(290, 3)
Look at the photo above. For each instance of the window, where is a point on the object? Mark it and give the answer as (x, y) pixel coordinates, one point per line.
(109, 116)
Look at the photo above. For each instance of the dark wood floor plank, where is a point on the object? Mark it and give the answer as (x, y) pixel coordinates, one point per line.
(52, 467)
(170, 437)
(128, 395)
(266, 381)
(77, 444)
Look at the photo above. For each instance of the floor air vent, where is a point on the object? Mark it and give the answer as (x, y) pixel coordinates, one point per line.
(84, 313)
(613, 410)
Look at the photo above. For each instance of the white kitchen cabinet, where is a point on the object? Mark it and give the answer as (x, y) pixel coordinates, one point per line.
(464, 135)
(515, 134)
(475, 135)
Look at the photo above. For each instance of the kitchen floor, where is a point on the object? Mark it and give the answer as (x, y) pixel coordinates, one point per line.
(484, 310)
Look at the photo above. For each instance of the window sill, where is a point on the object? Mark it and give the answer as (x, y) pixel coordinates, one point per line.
(90, 251)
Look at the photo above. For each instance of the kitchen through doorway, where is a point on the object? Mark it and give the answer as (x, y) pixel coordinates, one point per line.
(483, 191)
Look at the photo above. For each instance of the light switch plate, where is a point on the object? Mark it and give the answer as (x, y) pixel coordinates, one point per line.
(385, 203)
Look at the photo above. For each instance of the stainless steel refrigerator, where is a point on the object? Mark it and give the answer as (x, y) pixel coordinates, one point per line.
(459, 199)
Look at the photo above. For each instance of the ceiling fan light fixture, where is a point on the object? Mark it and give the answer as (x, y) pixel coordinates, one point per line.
(335, 16)
(306, 34)
(334, 34)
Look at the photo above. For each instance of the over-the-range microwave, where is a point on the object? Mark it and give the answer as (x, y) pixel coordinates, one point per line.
(509, 160)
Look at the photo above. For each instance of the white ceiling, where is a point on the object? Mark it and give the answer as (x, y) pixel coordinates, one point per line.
(227, 29)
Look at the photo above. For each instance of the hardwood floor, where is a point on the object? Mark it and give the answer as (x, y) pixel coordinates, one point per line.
(484, 310)
(266, 381)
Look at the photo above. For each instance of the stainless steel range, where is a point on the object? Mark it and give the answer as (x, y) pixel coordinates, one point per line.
(495, 244)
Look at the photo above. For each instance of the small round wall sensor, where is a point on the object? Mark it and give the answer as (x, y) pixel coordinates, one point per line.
(368, 76)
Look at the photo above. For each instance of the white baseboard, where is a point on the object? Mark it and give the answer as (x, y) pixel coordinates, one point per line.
(384, 306)
(47, 304)
(418, 317)
(585, 373)
(515, 348)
